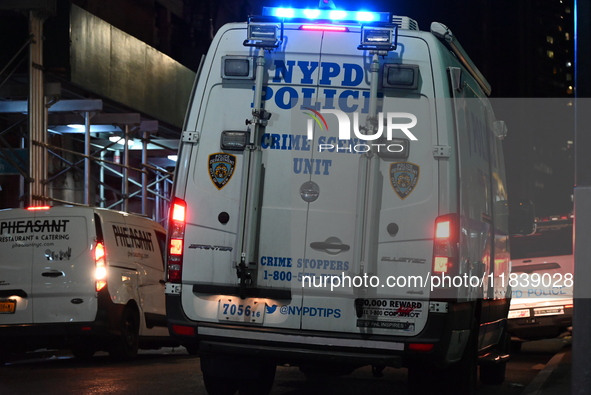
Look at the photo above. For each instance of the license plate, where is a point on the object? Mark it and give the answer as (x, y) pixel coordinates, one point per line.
(518, 313)
(7, 306)
(548, 311)
(241, 310)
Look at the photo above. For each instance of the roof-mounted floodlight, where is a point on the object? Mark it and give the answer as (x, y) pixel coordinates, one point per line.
(264, 35)
(376, 38)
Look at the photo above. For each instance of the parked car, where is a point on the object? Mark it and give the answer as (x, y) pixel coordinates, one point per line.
(542, 267)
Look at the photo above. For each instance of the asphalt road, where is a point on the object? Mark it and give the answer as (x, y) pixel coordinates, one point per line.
(173, 371)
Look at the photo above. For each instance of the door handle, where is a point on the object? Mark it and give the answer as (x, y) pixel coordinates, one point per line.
(330, 247)
(53, 273)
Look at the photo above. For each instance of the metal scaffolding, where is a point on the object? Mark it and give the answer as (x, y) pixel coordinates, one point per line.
(71, 152)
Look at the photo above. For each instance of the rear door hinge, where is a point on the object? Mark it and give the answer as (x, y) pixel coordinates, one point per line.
(190, 137)
(442, 151)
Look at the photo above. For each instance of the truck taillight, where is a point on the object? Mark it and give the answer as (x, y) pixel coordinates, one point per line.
(100, 266)
(445, 245)
(176, 232)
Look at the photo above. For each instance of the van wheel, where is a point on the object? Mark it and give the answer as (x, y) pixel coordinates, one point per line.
(516, 346)
(493, 374)
(192, 350)
(261, 385)
(220, 385)
(458, 378)
(126, 346)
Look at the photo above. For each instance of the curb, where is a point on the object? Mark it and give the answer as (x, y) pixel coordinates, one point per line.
(536, 385)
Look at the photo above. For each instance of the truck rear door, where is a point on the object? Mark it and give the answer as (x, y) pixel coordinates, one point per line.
(16, 266)
(349, 260)
(62, 274)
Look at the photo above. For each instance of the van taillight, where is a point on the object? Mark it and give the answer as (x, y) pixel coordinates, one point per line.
(100, 266)
(445, 245)
(176, 232)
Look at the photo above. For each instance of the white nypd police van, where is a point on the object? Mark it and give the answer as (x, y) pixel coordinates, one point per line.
(339, 201)
(81, 278)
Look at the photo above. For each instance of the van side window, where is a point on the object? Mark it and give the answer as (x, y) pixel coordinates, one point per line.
(98, 226)
(161, 237)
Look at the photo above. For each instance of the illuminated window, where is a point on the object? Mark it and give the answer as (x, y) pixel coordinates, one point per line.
(550, 39)
(567, 36)
(550, 54)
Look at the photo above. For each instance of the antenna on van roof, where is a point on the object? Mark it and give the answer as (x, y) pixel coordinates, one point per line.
(326, 5)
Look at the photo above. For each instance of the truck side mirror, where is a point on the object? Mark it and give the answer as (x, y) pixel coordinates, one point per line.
(522, 218)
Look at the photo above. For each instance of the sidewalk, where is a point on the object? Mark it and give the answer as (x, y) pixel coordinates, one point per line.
(555, 378)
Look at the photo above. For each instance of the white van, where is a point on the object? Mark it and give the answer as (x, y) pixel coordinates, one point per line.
(360, 216)
(542, 306)
(82, 278)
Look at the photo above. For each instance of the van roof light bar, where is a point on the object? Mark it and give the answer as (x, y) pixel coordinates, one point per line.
(332, 15)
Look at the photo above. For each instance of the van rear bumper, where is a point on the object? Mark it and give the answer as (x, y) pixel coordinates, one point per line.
(31, 336)
(298, 347)
(285, 347)
(540, 327)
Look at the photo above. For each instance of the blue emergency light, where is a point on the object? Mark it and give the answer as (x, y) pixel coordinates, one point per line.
(327, 15)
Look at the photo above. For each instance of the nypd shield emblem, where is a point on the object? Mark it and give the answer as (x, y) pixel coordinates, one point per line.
(221, 168)
(404, 177)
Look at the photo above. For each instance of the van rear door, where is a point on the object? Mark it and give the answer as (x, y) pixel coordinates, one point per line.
(16, 266)
(400, 205)
(62, 275)
(148, 259)
(217, 179)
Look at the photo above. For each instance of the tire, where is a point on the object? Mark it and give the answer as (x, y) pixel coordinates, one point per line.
(262, 385)
(459, 378)
(516, 346)
(125, 347)
(493, 374)
(220, 385)
(192, 350)
(225, 375)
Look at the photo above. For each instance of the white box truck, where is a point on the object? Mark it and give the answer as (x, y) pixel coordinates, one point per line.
(358, 216)
(81, 278)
